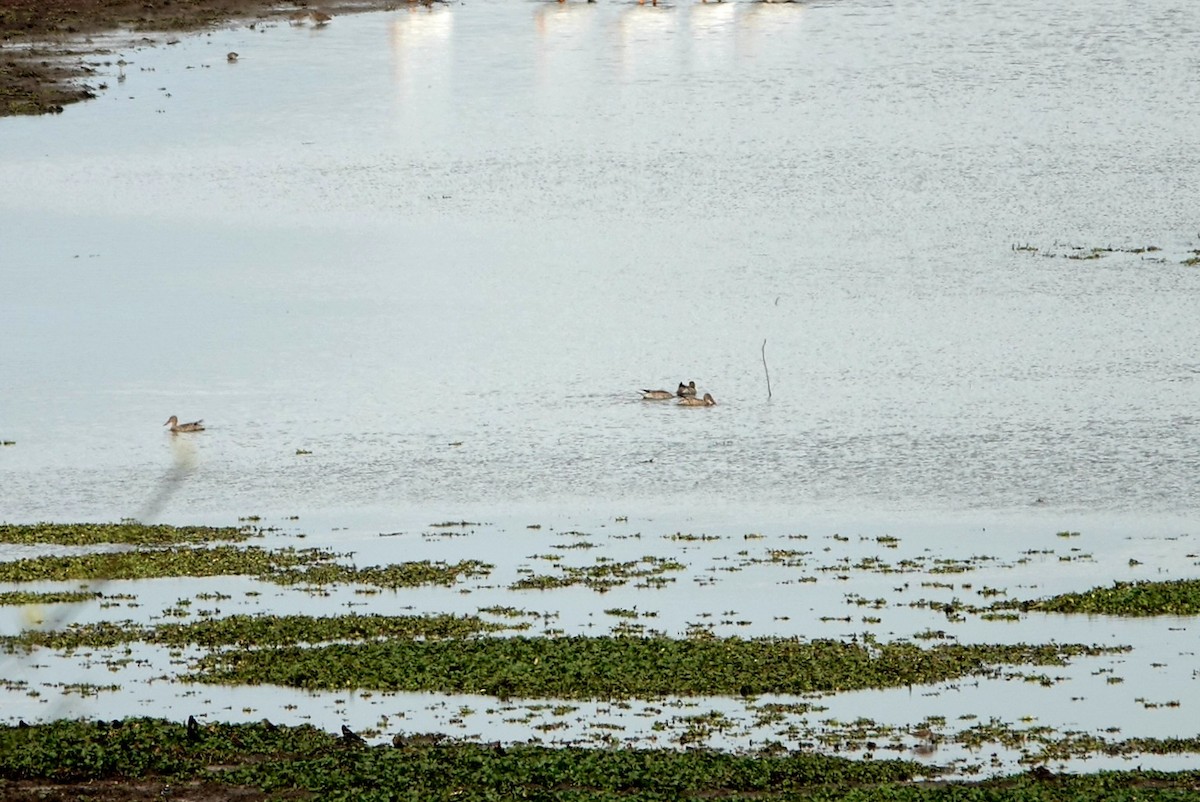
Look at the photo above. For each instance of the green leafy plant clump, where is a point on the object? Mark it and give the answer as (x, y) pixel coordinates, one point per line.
(20, 597)
(283, 566)
(67, 757)
(649, 571)
(400, 575)
(1179, 597)
(257, 630)
(217, 561)
(303, 759)
(620, 667)
(126, 532)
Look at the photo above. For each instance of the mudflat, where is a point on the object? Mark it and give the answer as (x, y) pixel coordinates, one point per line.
(47, 54)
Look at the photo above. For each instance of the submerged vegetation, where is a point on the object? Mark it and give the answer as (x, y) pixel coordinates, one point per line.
(620, 667)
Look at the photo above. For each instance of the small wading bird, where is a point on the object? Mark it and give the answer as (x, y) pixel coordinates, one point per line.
(176, 426)
(692, 401)
(317, 18)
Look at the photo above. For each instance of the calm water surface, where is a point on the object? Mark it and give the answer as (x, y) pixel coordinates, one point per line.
(442, 250)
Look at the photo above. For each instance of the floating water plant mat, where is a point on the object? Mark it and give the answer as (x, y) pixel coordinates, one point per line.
(150, 758)
(281, 566)
(128, 532)
(1181, 597)
(621, 667)
(256, 630)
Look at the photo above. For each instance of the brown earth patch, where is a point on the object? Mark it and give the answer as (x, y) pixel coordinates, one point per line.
(134, 791)
(46, 55)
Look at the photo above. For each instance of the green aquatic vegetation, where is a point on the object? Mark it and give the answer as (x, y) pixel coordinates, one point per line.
(257, 630)
(87, 689)
(1042, 744)
(20, 597)
(958, 566)
(283, 566)
(304, 762)
(700, 727)
(777, 712)
(621, 667)
(217, 561)
(603, 575)
(401, 575)
(508, 612)
(1179, 597)
(126, 532)
(691, 538)
(932, 634)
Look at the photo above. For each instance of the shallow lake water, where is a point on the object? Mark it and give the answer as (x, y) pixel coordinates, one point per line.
(415, 266)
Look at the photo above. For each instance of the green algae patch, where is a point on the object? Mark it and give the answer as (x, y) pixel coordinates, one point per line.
(621, 667)
(126, 532)
(258, 630)
(20, 597)
(283, 566)
(1180, 597)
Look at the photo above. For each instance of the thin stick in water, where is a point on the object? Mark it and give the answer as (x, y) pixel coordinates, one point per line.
(764, 357)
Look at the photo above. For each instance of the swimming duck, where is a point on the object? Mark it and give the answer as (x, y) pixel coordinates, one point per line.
(657, 395)
(692, 401)
(685, 390)
(176, 426)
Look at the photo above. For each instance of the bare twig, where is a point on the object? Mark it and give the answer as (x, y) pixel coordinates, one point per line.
(764, 358)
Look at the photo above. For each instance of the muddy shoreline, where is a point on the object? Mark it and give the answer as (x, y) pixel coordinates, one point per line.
(47, 54)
